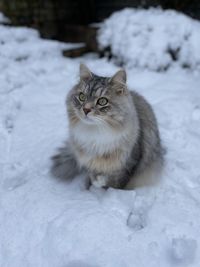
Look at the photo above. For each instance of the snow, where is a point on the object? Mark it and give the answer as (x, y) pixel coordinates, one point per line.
(152, 39)
(3, 18)
(48, 222)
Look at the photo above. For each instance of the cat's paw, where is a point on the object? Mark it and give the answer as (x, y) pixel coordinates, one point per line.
(99, 181)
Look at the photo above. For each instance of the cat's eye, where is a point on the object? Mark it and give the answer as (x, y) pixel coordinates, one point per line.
(102, 101)
(82, 97)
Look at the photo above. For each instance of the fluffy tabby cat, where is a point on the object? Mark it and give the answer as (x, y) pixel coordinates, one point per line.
(113, 132)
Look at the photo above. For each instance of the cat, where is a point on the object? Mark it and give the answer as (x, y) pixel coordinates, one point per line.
(113, 132)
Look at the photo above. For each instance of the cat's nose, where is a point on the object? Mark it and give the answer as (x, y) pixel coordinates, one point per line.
(86, 110)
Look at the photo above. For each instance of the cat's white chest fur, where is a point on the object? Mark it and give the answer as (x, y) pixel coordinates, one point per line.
(96, 139)
(103, 150)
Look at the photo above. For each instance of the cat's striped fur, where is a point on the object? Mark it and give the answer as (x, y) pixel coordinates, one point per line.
(114, 143)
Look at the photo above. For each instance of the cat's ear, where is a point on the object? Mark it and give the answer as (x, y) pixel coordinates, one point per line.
(119, 82)
(85, 73)
(119, 77)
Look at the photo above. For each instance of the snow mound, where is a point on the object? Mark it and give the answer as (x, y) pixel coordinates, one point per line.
(3, 18)
(22, 43)
(153, 39)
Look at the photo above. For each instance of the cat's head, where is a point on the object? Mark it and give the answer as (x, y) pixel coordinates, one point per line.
(99, 100)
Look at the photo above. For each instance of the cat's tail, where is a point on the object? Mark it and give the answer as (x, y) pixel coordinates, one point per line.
(64, 165)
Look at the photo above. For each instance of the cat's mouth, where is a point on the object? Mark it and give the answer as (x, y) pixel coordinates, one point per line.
(88, 119)
(91, 119)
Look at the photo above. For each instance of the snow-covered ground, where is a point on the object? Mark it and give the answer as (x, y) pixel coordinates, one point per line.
(49, 223)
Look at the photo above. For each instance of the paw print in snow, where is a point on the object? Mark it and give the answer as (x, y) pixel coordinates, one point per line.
(183, 251)
(136, 221)
(9, 119)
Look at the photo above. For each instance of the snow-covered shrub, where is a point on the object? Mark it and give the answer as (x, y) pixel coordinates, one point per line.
(22, 43)
(3, 18)
(154, 39)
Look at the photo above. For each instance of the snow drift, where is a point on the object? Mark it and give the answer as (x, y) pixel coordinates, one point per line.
(154, 39)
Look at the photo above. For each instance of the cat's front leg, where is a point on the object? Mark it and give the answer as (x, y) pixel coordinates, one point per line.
(99, 180)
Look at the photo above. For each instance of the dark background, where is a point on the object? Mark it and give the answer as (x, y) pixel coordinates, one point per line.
(69, 20)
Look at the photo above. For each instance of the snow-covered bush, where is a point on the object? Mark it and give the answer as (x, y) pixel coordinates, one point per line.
(3, 18)
(22, 43)
(154, 39)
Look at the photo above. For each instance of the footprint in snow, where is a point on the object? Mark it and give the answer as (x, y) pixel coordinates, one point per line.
(15, 177)
(137, 218)
(182, 251)
(11, 184)
(9, 119)
(136, 221)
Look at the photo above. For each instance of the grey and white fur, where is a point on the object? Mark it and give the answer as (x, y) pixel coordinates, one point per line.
(113, 133)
